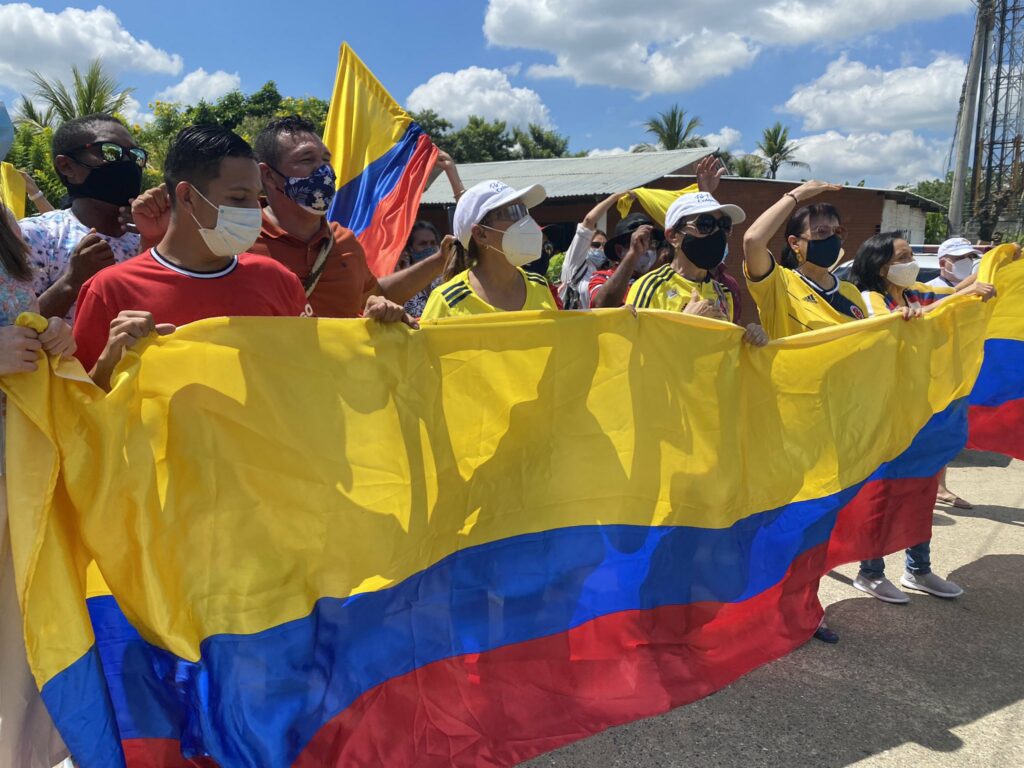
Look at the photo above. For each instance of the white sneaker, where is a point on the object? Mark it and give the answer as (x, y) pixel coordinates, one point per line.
(881, 588)
(932, 584)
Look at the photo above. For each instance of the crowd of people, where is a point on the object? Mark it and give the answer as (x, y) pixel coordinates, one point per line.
(240, 230)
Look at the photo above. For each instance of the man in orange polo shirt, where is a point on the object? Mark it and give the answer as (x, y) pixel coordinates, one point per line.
(326, 257)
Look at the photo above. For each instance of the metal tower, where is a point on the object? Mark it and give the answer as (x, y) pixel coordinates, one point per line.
(988, 152)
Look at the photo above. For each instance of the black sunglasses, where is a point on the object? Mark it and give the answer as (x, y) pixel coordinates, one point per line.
(115, 153)
(706, 223)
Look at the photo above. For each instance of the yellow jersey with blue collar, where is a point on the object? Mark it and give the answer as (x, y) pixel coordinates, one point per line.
(788, 303)
(664, 288)
(457, 297)
(918, 296)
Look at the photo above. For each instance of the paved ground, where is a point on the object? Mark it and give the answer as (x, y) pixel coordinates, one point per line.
(932, 683)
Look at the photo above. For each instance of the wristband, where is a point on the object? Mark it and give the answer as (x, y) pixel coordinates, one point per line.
(37, 196)
(792, 196)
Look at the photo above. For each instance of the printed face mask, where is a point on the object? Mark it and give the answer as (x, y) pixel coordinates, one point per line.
(313, 193)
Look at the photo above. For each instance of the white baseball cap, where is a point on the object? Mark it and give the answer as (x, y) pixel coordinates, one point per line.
(694, 203)
(480, 199)
(958, 246)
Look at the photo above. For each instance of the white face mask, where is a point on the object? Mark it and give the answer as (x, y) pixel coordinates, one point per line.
(644, 264)
(905, 274)
(521, 243)
(962, 269)
(236, 230)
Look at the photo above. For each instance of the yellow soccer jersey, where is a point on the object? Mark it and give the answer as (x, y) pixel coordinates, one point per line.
(918, 296)
(664, 288)
(457, 297)
(788, 303)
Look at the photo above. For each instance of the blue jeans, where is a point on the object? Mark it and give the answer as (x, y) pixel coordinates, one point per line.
(918, 561)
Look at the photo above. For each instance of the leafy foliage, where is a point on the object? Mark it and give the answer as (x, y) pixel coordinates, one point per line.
(778, 150)
(482, 141)
(673, 130)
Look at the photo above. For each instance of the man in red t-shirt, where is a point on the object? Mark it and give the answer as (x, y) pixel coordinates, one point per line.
(201, 267)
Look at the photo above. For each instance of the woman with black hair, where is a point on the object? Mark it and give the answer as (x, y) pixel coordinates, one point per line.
(886, 274)
(802, 294)
(885, 271)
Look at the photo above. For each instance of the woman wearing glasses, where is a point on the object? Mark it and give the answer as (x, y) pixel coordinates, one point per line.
(802, 294)
(494, 237)
(697, 229)
(101, 166)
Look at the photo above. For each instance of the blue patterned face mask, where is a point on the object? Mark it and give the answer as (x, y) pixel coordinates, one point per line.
(313, 193)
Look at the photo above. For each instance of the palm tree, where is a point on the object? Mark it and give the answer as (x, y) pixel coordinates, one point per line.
(673, 131)
(778, 150)
(93, 92)
(748, 166)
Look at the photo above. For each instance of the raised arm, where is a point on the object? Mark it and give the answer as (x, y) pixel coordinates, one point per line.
(755, 242)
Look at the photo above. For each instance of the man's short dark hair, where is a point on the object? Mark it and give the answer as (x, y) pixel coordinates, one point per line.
(77, 132)
(267, 143)
(196, 153)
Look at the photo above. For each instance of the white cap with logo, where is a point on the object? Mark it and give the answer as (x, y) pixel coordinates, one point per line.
(695, 203)
(958, 246)
(480, 199)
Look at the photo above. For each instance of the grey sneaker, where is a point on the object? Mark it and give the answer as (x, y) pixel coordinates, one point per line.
(881, 588)
(932, 584)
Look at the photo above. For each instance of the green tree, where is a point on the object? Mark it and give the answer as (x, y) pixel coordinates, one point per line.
(939, 191)
(673, 131)
(778, 150)
(93, 92)
(536, 142)
(31, 152)
(748, 166)
(481, 141)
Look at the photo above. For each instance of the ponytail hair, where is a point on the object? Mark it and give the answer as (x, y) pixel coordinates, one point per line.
(464, 258)
(800, 221)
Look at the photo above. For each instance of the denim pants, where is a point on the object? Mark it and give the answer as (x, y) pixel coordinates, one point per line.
(918, 561)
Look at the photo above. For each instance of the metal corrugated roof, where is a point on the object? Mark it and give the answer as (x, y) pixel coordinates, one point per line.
(572, 176)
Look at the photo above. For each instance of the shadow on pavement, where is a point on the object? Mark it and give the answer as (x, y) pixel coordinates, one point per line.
(900, 674)
(980, 459)
(1009, 515)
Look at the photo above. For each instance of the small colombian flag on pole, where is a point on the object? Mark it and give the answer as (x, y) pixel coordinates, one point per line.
(382, 160)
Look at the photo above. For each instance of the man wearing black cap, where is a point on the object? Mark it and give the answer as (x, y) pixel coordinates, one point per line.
(633, 250)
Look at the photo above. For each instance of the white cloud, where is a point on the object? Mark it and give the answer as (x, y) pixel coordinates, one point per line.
(134, 114)
(200, 85)
(612, 151)
(882, 159)
(851, 96)
(478, 91)
(656, 46)
(50, 43)
(725, 139)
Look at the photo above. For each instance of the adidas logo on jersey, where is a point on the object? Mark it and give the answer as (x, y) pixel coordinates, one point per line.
(810, 298)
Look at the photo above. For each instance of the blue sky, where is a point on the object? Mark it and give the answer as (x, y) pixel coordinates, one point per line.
(871, 86)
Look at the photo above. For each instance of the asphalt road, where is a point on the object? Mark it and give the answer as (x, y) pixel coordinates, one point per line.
(931, 683)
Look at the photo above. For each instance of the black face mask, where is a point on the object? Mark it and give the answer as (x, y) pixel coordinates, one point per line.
(824, 253)
(705, 252)
(114, 183)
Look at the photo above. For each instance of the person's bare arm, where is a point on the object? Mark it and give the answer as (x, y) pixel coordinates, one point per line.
(613, 292)
(404, 284)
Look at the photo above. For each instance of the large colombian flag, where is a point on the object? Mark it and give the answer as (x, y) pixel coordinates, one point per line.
(343, 543)
(997, 402)
(382, 160)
